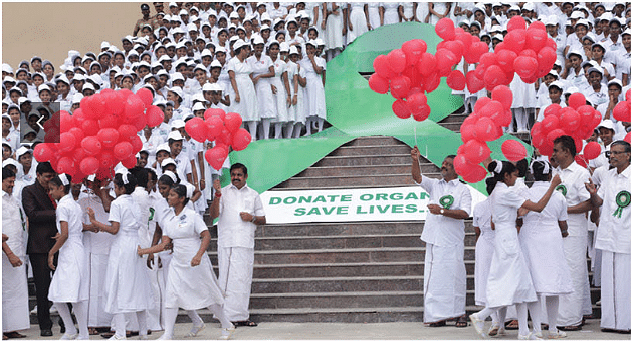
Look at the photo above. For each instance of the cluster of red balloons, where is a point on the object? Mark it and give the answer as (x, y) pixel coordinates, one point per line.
(529, 53)
(224, 129)
(622, 113)
(99, 134)
(485, 124)
(578, 120)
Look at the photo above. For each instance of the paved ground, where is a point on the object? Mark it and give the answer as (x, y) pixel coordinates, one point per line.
(345, 331)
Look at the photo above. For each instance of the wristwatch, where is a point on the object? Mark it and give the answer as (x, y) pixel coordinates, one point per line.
(442, 211)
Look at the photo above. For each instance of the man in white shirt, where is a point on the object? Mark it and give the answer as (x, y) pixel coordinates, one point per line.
(15, 295)
(573, 306)
(240, 210)
(444, 270)
(614, 239)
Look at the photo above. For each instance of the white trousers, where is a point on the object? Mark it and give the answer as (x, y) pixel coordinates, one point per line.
(15, 296)
(573, 306)
(235, 279)
(97, 317)
(444, 282)
(616, 291)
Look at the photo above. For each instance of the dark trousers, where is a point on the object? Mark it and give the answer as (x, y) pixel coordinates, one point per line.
(42, 277)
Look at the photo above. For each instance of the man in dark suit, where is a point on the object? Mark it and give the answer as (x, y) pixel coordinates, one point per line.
(40, 211)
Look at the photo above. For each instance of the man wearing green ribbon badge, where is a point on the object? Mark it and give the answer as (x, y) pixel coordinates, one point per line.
(444, 269)
(614, 238)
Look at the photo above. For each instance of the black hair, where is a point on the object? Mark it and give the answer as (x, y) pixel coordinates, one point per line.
(538, 168)
(152, 172)
(129, 187)
(568, 143)
(140, 174)
(490, 184)
(44, 167)
(181, 190)
(522, 165)
(7, 173)
(451, 156)
(167, 180)
(58, 182)
(506, 168)
(239, 166)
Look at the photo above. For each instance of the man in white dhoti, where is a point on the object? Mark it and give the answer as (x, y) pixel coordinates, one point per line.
(614, 239)
(573, 306)
(444, 269)
(240, 211)
(15, 294)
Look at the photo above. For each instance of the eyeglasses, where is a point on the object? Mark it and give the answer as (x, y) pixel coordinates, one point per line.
(609, 153)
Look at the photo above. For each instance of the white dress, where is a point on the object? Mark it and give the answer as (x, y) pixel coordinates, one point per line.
(523, 94)
(70, 280)
(280, 106)
(373, 9)
(509, 280)
(127, 286)
(334, 28)
(438, 7)
(483, 249)
(422, 11)
(314, 86)
(542, 243)
(391, 13)
(247, 107)
(189, 287)
(262, 88)
(296, 112)
(357, 20)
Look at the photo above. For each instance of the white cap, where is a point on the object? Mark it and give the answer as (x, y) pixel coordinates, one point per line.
(163, 147)
(168, 161)
(177, 76)
(178, 124)
(607, 124)
(215, 63)
(77, 98)
(177, 90)
(175, 135)
(239, 43)
(87, 86)
(198, 106)
(577, 15)
(105, 45)
(21, 151)
(615, 81)
(258, 40)
(206, 53)
(596, 69)
(43, 87)
(557, 84)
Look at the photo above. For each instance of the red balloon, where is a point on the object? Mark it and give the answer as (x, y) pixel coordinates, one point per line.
(423, 114)
(525, 66)
(581, 160)
(432, 82)
(378, 83)
(552, 135)
(550, 123)
(108, 137)
(513, 150)
(505, 59)
(492, 110)
(139, 123)
(445, 28)
(96, 105)
(137, 144)
(155, 116)
(546, 58)
(108, 121)
(504, 119)
(400, 87)
(112, 104)
(91, 145)
(502, 94)
(592, 150)
(146, 96)
(473, 83)
(122, 150)
(214, 112)
(461, 164)
(481, 103)
(476, 174)
(381, 66)
(516, 23)
(89, 165)
(476, 151)
(215, 127)
(457, 47)
(129, 162)
(87, 108)
(485, 129)
(241, 139)
(536, 38)
(576, 100)
(416, 102)
(232, 121)
(515, 40)
(43, 152)
(475, 52)
(79, 134)
(628, 95)
(127, 132)
(413, 49)
(494, 76)
(622, 111)
(467, 132)
(427, 64)
(627, 138)
(554, 109)
(65, 121)
(65, 165)
(225, 137)
(90, 127)
(134, 107)
(401, 109)
(215, 157)
(456, 80)
(67, 142)
(448, 59)
(397, 60)
(570, 120)
(197, 129)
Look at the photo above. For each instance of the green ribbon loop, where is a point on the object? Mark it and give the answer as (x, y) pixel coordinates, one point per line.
(561, 188)
(623, 199)
(447, 201)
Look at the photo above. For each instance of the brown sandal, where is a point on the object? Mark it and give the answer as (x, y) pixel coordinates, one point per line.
(512, 325)
(461, 322)
(570, 328)
(437, 324)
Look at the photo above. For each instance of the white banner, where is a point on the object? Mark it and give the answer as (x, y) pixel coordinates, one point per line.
(345, 205)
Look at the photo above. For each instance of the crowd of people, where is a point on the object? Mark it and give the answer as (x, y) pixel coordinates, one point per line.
(267, 62)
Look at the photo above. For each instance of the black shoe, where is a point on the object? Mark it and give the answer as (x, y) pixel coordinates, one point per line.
(46, 332)
(62, 329)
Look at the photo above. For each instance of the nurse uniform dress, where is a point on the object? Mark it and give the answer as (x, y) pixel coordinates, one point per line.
(334, 27)
(280, 106)
(373, 9)
(509, 280)
(188, 287)
(315, 90)
(128, 288)
(391, 13)
(70, 281)
(357, 20)
(542, 243)
(484, 248)
(247, 107)
(263, 90)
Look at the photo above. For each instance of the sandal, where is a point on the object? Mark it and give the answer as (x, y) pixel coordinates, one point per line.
(512, 325)
(14, 335)
(461, 322)
(437, 324)
(92, 331)
(247, 323)
(570, 328)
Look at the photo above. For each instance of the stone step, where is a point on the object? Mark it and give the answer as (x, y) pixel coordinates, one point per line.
(374, 141)
(349, 181)
(354, 299)
(454, 118)
(365, 170)
(371, 150)
(350, 228)
(384, 159)
(453, 126)
(337, 284)
(341, 269)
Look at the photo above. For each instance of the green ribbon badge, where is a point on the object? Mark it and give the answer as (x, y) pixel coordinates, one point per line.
(561, 188)
(623, 199)
(151, 213)
(447, 201)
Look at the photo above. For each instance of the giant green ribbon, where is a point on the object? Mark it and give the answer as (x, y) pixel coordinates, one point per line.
(447, 201)
(623, 199)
